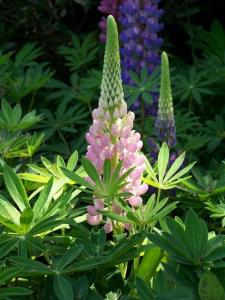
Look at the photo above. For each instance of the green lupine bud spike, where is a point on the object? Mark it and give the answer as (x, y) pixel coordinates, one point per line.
(165, 99)
(111, 87)
(164, 123)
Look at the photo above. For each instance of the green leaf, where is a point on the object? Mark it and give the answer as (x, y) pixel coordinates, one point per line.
(181, 173)
(107, 172)
(49, 224)
(210, 287)
(15, 188)
(62, 288)
(98, 240)
(81, 286)
(15, 291)
(26, 217)
(144, 290)
(9, 224)
(69, 256)
(177, 230)
(151, 171)
(77, 179)
(117, 217)
(43, 200)
(72, 162)
(22, 248)
(50, 167)
(8, 211)
(175, 166)
(149, 263)
(36, 243)
(163, 159)
(217, 254)
(8, 246)
(197, 235)
(31, 266)
(148, 208)
(7, 274)
(91, 171)
(178, 293)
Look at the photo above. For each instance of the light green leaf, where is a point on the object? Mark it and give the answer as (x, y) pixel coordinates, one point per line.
(163, 159)
(181, 173)
(43, 200)
(175, 166)
(26, 218)
(91, 171)
(72, 162)
(15, 188)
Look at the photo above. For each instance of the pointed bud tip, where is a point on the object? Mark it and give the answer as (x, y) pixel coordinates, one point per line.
(164, 58)
(112, 32)
(111, 21)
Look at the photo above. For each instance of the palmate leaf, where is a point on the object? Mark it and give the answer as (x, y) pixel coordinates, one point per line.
(188, 243)
(192, 84)
(28, 53)
(81, 54)
(163, 179)
(102, 187)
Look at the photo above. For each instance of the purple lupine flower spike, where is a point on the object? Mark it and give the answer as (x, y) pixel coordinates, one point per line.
(139, 39)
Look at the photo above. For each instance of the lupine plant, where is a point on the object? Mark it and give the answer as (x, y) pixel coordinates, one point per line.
(111, 136)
